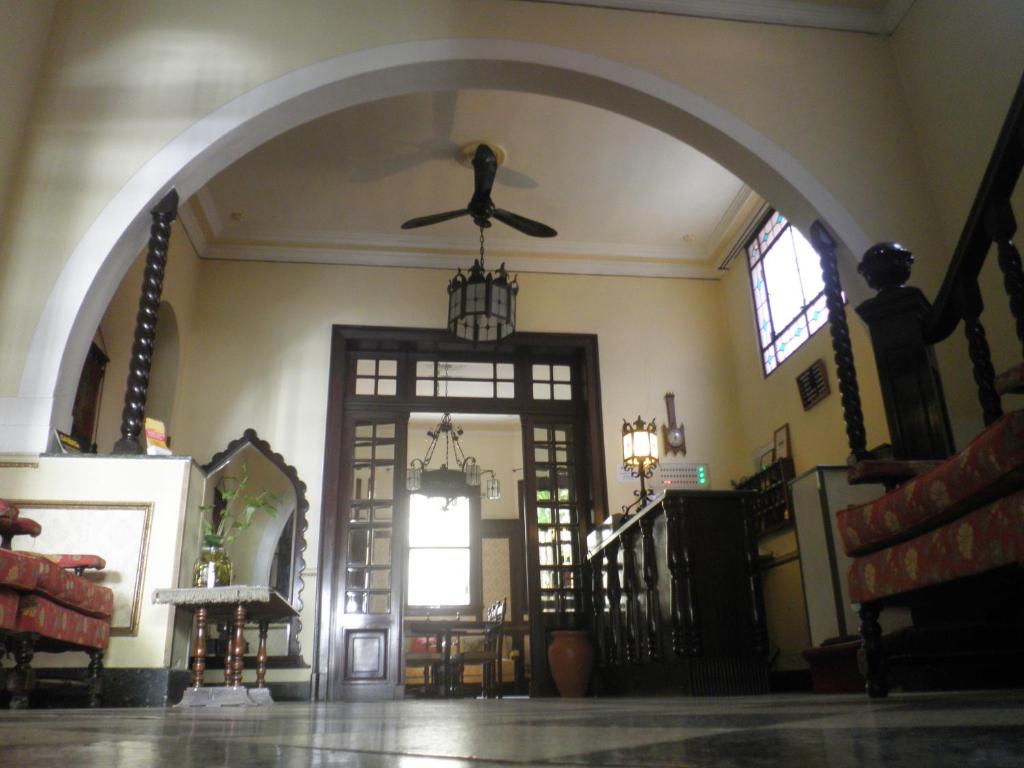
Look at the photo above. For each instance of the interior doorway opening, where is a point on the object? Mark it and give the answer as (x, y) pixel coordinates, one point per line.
(376, 535)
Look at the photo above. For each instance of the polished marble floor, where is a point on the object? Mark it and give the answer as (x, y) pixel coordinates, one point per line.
(796, 730)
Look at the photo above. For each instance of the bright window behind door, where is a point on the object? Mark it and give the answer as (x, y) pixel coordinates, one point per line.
(439, 551)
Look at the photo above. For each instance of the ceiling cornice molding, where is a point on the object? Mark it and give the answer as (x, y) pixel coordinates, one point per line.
(728, 219)
(193, 228)
(549, 264)
(208, 208)
(496, 247)
(781, 12)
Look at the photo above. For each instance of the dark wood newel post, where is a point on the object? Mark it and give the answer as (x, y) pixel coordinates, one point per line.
(133, 415)
(915, 408)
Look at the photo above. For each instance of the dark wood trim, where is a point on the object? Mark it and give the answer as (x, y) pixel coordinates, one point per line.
(406, 345)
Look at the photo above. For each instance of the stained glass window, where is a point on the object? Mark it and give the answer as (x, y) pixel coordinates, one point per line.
(789, 300)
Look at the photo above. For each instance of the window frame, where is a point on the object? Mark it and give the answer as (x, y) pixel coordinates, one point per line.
(475, 547)
(750, 267)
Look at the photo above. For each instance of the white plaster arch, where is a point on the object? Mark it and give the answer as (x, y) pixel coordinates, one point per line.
(104, 254)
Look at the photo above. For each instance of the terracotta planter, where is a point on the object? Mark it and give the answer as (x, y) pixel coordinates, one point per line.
(571, 658)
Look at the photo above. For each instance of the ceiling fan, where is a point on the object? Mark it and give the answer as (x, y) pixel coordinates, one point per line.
(481, 207)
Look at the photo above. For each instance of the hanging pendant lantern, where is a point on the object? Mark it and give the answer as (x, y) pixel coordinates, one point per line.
(481, 304)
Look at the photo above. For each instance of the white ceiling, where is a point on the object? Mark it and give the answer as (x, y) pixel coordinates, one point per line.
(625, 198)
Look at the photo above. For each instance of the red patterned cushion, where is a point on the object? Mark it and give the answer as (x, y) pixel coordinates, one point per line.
(990, 466)
(8, 608)
(1011, 381)
(19, 526)
(980, 541)
(71, 590)
(18, 571)
(8, 510)
(39, 615)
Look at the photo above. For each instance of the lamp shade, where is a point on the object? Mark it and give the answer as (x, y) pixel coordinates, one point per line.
(639, 446)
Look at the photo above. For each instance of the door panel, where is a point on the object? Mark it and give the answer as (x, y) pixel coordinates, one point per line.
(370, 558)
(557, 508)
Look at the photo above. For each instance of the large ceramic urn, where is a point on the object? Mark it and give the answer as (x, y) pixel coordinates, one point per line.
(571, 659)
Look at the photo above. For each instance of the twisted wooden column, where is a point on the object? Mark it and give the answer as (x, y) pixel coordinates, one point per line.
(134, 413)
(977, 347)
(849, 392)
(1002, 226)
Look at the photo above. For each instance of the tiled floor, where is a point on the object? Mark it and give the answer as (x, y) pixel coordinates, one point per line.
(916, 731)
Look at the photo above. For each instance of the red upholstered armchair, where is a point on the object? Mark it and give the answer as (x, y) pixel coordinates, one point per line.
(47, 605)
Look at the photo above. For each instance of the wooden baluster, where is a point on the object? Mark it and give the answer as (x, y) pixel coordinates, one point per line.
(614, 604)
(630, 588)
(597, 598)
(692, 642)
(846, 372)
(1002, 226)
(971, 306)
(871, 632)
(199, 649)
(651, 582)
(757, 615)
(134, 413)
(675, 568)
(261, 656)
(239, 652)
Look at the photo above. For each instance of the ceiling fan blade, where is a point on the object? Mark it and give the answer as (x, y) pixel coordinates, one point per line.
(434, 218)
(524, 225)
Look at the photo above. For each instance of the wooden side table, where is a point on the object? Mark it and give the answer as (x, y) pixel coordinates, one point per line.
(236, 604)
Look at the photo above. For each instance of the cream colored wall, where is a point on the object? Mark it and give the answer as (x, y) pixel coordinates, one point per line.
(162, 482)
(126, 77)
(262, 345)
(117, 329)
(959, 65)
(23, 33)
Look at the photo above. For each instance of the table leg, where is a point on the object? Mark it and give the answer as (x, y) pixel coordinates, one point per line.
(239, 645)
(228, 642)
(261, 656)
(199, 649)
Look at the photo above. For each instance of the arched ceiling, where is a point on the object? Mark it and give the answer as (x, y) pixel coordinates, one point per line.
(624, 197)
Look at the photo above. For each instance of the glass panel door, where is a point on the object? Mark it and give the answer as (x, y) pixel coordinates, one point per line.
(557, 503)
(369, 612)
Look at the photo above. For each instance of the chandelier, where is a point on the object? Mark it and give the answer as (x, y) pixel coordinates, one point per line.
(444, 481)
(481, 304)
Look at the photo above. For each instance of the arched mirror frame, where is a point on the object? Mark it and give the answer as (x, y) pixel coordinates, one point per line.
(298, 562)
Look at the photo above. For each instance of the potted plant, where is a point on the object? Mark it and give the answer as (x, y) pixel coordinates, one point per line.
(222, 521)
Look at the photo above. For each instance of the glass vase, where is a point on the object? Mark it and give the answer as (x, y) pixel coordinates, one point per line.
(213, 567)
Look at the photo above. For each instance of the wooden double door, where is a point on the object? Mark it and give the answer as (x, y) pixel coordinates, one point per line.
(378, 378)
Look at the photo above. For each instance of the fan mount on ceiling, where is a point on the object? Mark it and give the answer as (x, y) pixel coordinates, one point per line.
(481, 207)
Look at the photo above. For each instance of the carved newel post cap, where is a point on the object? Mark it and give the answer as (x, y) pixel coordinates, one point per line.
(886, 266)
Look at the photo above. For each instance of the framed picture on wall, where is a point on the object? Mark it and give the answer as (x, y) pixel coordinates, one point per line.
(766, 459)
(781, 443)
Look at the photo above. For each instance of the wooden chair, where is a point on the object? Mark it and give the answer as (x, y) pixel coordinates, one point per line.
(47, 605)
(489, 656)
(425, 654)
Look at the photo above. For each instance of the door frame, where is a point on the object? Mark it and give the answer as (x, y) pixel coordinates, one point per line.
(342, 403)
